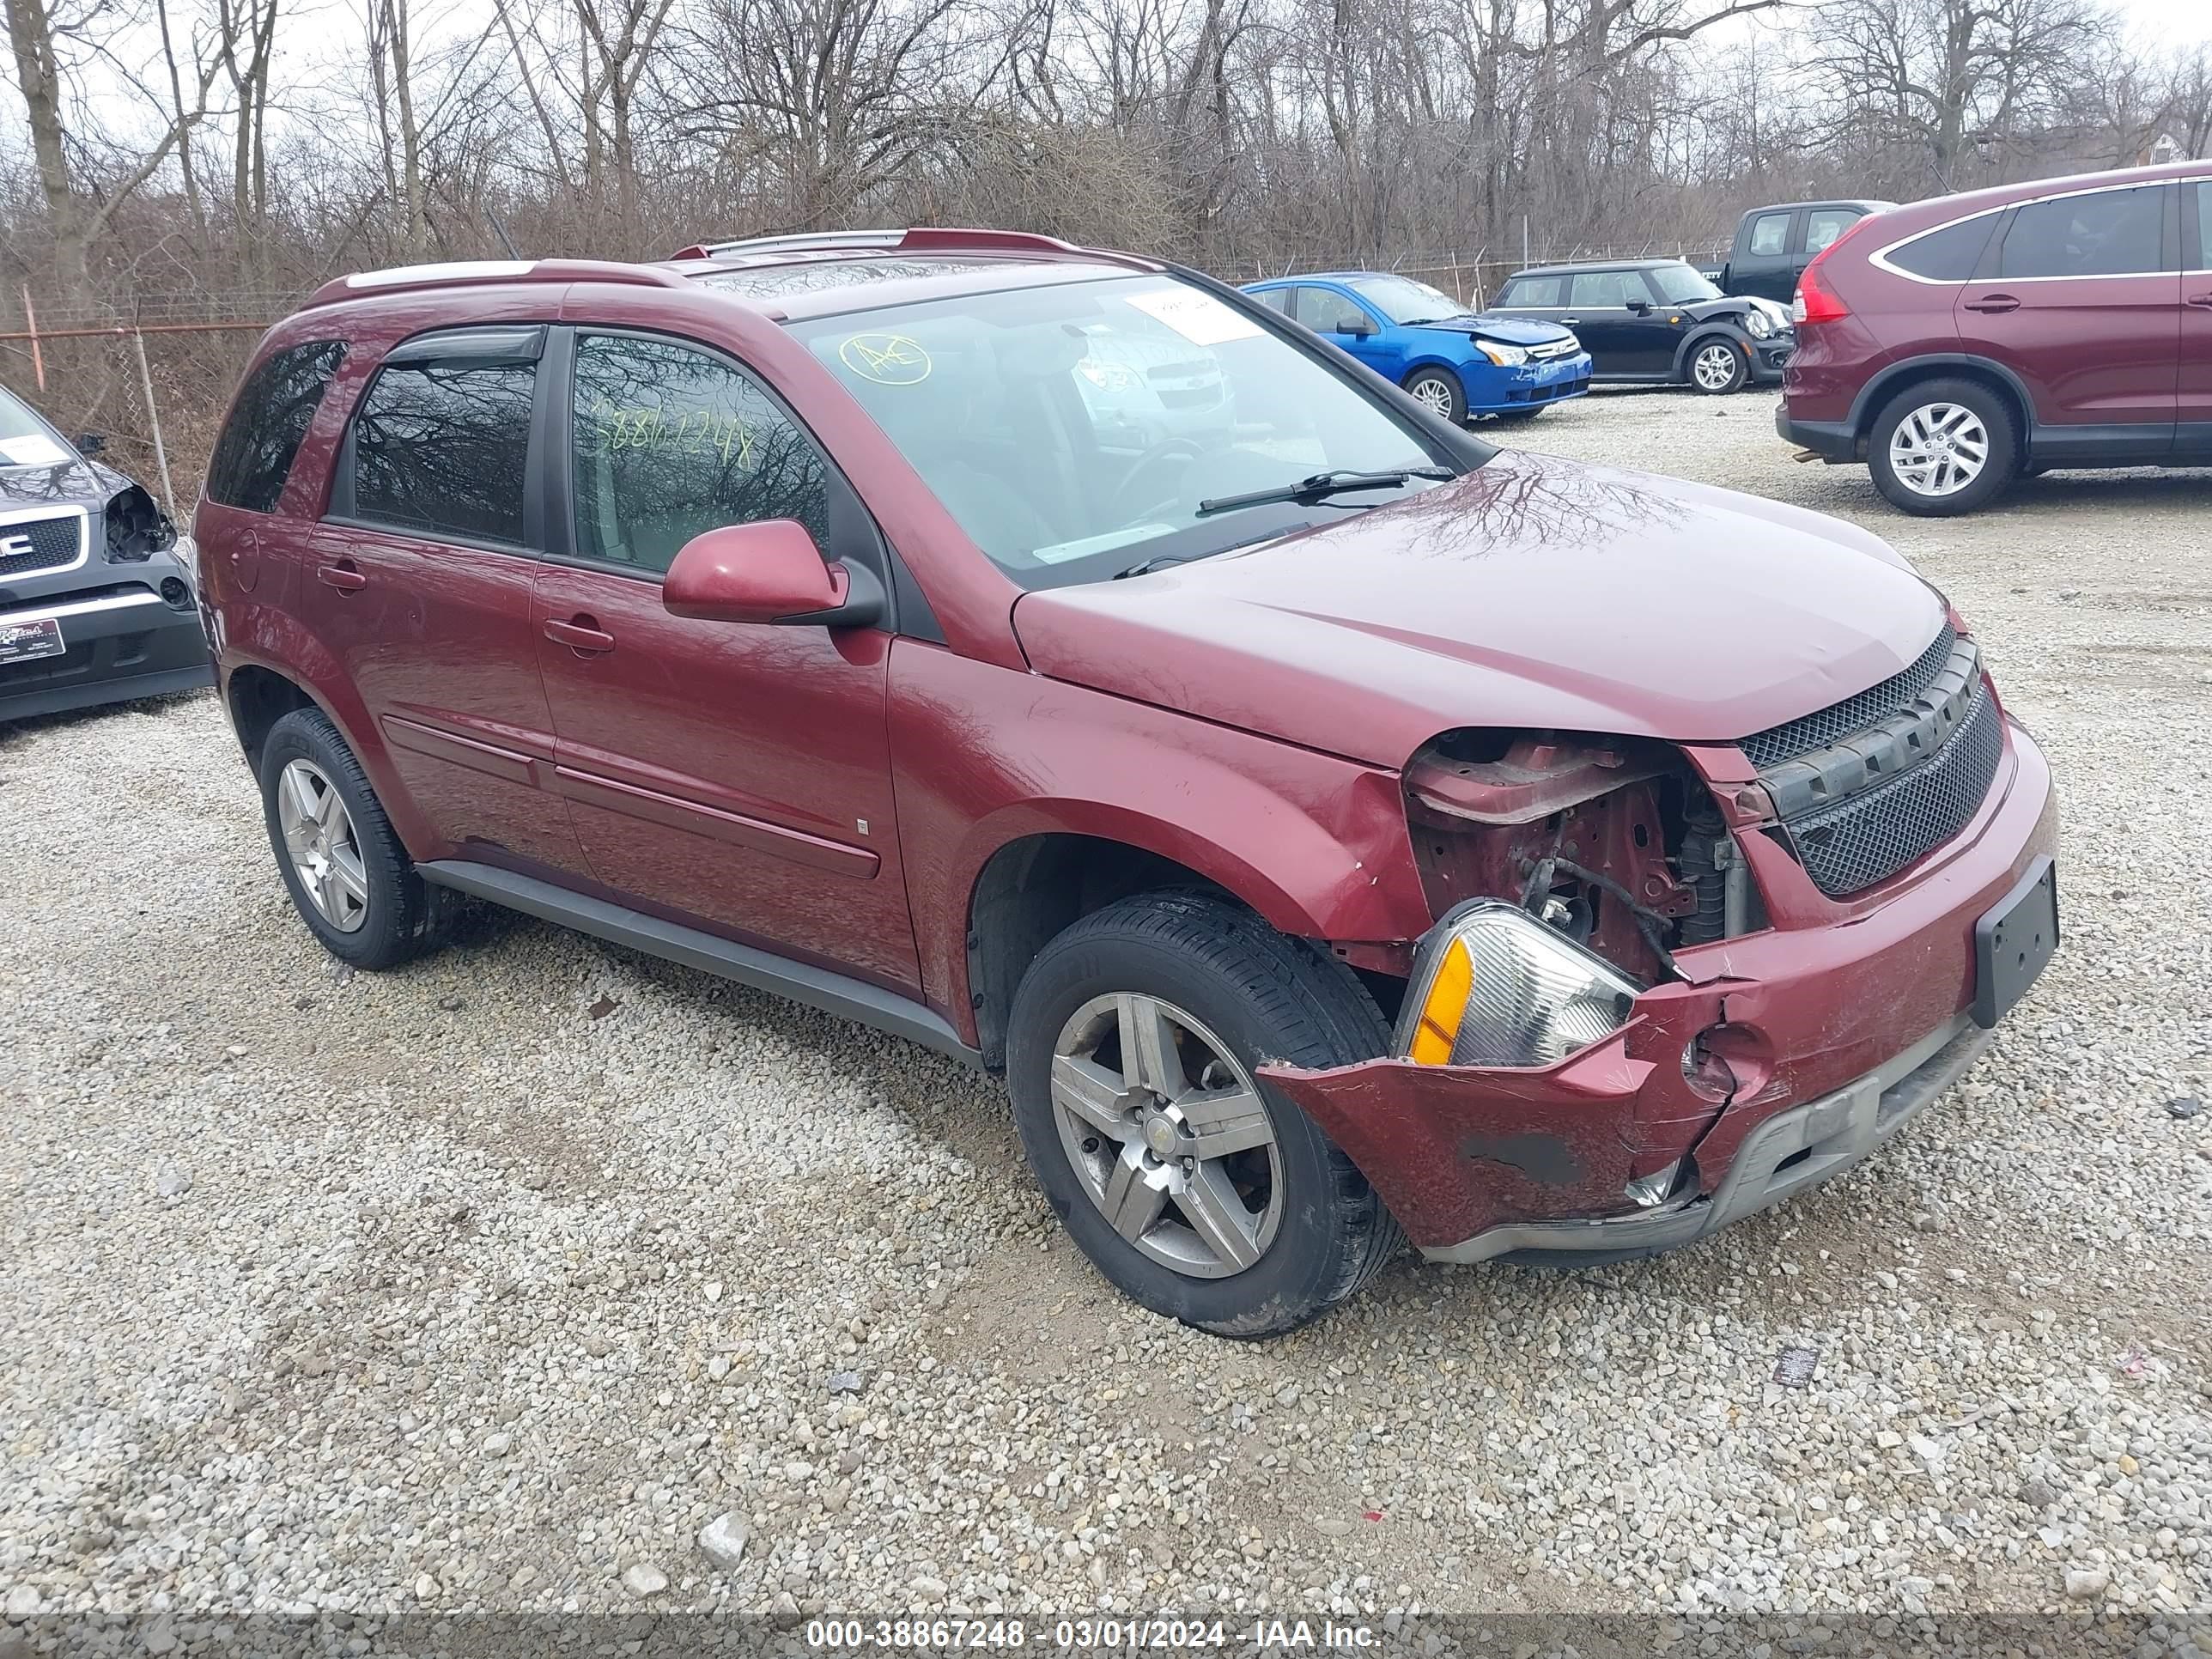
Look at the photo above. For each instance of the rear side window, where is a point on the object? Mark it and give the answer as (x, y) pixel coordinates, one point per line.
(441, 447)
(1948, 255)
(1533, 291)
(2103, 233)
(1823, 225)
(2204, 259)
(1275, 299)
(1770, 235)
(253, 456)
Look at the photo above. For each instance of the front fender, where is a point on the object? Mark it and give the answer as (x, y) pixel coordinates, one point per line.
(983, 756)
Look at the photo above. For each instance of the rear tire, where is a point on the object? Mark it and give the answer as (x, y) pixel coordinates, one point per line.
(1439, 391)
(1943, 447)
(1219, 992)
(350, 877)
(1717, 366)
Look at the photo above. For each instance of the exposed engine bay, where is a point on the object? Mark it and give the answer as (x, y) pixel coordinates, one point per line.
(1616, 844)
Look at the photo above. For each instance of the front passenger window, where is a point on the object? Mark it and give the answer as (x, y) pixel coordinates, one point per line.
(671, 442)
(1599, 290)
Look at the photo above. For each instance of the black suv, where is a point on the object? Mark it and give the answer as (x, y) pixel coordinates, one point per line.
(1655, 322)
(1774, 244)
(95, 604)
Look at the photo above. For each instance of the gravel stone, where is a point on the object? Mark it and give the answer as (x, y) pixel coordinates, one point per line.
(416, 1227)
(644, 1579)
(722, 1540)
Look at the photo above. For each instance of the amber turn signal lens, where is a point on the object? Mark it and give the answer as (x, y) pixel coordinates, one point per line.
(1444, 1006)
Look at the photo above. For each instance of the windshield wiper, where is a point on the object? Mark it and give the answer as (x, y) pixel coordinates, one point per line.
(1323, 484)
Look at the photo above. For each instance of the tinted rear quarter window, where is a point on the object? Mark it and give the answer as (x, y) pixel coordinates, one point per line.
(253, 457)
(2103, 233)
(1948, 255)
(440, 447)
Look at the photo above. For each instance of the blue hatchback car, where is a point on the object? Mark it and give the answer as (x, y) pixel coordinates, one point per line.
(1459, 363)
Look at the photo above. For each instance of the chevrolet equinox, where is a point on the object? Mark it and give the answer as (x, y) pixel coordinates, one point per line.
(1335, 829)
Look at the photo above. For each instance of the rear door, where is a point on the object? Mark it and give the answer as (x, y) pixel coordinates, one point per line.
(2079, 296)
(419, 579)
(724, 773)
(2193, 435)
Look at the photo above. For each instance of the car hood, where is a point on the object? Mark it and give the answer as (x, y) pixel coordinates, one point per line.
(69, 483)
(1532, 592)
(1731, 304)
(1508, 330)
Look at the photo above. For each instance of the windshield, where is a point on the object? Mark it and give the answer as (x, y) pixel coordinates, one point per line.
(1681, 285)
(1404, 300)
(25, 440)
(1075, 431)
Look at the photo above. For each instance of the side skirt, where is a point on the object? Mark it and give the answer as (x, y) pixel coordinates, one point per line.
(817, 987)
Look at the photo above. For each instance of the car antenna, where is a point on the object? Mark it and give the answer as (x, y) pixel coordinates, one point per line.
(505, 241)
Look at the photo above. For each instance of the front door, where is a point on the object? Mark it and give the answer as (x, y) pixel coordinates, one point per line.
(733, 774)
(1622, 342)
(419, 582)
(1344, 322)
(2193, 436)
(2081, 300)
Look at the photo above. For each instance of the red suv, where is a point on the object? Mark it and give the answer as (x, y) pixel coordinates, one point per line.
(1328, 825)
(1956, 345)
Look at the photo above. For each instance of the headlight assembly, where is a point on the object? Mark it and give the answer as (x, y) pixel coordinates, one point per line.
(1756, 323)
(1505, 356)
(1493, 985)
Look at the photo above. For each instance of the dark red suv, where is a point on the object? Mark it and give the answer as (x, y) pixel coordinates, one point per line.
(1956, 345)
(1328, 825)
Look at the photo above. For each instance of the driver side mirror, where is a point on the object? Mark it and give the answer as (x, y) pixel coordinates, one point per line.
(1641, 307)
(771, 573)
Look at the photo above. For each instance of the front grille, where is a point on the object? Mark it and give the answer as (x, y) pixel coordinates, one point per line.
(1555, 348)
(1838, 720)
(1873, 835)
(54, 544)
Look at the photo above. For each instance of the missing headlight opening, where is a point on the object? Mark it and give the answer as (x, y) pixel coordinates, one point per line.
(1614, 843)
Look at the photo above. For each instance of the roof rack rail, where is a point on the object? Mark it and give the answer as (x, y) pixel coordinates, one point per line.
(361, 284)
(921, 239)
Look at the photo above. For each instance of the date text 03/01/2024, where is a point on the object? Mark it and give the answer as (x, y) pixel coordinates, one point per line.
(1086, 1635)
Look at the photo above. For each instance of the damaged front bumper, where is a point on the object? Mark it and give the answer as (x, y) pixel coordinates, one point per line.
(1834, 1033)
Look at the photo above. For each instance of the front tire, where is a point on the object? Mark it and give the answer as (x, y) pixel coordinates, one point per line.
(1439, 391)
(1943, 447)
(1203, 1193)
(350, 877)
(1718, 366)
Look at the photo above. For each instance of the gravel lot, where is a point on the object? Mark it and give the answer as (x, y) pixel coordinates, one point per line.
(490, 1284)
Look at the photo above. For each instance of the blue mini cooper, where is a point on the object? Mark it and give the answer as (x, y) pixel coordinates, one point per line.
(1458, 362)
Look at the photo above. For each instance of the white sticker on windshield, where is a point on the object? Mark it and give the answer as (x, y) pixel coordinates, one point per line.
(1195, 314)
(1061, 552)
(36, 450)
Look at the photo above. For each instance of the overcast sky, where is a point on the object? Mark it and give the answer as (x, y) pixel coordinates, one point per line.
(2181, 21)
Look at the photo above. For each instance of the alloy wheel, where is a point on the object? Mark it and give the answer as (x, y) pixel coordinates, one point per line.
(319, 834)
(1435, 394)
(1939, 449)
(1715, 367)
(1167, 1134)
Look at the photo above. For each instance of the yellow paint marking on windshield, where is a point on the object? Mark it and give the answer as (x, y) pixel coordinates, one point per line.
(886, 359)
